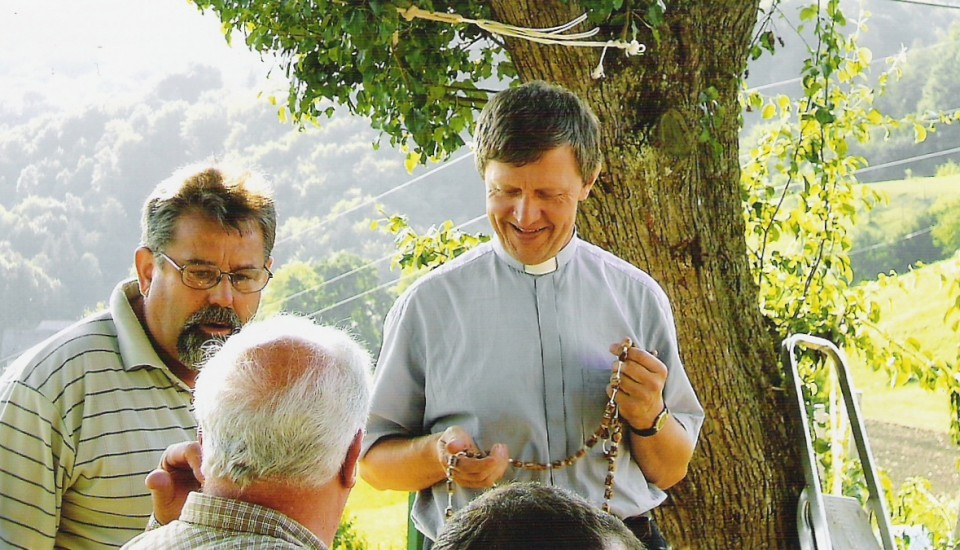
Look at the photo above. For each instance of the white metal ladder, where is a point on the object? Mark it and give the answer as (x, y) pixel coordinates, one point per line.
(831, 522)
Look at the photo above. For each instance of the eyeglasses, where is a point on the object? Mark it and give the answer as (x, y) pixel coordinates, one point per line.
(205, 277)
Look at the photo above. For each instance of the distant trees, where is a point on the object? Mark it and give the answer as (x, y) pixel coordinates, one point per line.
(882, 247)
(340, 290)
(27, 292)
(928, 84)
(946, 231)
(45, 258)
(73, 185)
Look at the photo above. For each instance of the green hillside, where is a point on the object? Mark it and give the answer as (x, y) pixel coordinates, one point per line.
(923, 190)
(915, 308)
(910, 197)
(899, 233)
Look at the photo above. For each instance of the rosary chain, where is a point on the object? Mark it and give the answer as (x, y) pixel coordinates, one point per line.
(610, 431)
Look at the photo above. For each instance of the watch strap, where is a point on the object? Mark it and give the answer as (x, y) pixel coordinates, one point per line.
(658, 424)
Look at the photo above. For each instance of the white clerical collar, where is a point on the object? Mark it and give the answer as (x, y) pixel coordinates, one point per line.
(548, 266)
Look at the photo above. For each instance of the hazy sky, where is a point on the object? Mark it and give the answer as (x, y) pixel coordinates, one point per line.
(96, 51)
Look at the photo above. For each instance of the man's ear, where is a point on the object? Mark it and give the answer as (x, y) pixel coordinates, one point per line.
(145, 262)
(588, 184)
(348, 471)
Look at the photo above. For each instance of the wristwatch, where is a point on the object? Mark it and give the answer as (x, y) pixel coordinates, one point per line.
(658, 423)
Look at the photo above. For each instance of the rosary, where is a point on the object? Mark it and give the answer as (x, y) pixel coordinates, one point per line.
(610, 431)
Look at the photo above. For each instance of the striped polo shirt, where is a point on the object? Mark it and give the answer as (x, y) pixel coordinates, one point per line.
(84, 417)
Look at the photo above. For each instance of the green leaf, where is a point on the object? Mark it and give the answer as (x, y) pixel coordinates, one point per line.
(411, 161)
(769, 111)
(824, 116)
(809, 12)
(655, 14)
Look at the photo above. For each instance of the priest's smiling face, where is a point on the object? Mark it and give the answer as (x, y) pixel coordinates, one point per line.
(533, 207)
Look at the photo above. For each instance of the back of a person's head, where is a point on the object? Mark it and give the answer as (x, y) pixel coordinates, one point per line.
(281, 401)
(522, 516)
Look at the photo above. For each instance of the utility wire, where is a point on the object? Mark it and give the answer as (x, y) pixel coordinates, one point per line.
(358, 269)
(908, 160)
(316, 314)
(399, 279)
(931, 4)
(331, 281)
(375, 199)
(386, 284)
(888, 164)
(906, 237)
(877, 60)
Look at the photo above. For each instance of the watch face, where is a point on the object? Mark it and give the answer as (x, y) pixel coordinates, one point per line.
(661, 419)
(658, 424)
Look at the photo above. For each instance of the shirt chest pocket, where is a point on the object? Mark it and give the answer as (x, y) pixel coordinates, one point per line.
(593, 399)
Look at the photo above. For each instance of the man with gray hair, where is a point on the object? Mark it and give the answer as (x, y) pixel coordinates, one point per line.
(281, 408)
(85, 414)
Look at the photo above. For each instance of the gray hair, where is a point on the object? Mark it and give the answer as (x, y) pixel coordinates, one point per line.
(229, 195)
(281, 401)
(529, 515)
(520, 124)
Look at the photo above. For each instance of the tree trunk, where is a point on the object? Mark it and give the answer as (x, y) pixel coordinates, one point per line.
(671, 205)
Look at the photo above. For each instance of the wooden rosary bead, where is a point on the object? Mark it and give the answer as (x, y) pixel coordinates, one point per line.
(610, 430)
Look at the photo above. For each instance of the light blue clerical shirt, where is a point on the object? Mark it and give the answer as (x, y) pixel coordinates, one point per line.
(523, 359)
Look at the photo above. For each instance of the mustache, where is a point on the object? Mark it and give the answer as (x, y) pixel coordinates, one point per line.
(194, 345)
(214, 315)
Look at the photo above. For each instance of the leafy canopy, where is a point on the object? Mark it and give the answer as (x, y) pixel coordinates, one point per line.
(420, 81)
(415, 80)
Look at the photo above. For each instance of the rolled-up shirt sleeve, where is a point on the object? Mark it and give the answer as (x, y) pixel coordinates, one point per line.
(398, 400)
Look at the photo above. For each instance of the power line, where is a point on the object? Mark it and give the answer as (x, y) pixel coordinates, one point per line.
(375, 199)
(745, 155)
(906, 237)
(878, 60)
(931, 4)
(319, 312)
(384, 285)
(908, 160)
(369, 264)
(886, 164)
(331, 281)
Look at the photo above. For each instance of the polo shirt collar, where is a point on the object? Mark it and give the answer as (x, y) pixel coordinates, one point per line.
(136, 349)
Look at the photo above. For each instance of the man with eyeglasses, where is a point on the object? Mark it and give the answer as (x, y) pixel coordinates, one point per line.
(85, 415)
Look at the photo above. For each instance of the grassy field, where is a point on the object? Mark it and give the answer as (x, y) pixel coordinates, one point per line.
(380, 516)
(915, 310)
(914, 193)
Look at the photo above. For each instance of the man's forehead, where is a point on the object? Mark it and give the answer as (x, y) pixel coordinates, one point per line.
(191, 223)
(203, 240)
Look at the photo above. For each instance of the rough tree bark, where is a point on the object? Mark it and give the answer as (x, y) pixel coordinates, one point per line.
(668, 204)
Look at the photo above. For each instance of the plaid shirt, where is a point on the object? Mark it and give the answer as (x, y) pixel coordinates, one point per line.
(212, 523)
